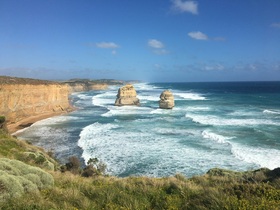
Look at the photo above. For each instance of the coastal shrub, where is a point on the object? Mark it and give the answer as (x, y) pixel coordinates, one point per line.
(38, 159)
(21, 150)
(74, 165)
(94, 167)
(17, 178)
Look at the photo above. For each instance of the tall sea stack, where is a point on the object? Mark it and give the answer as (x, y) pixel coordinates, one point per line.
(166, 100)
(127, 96)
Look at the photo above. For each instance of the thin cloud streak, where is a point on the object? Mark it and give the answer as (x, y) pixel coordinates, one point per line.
(106, 45)
(275, 25)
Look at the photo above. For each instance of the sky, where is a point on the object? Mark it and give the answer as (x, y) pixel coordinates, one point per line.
(147, 40)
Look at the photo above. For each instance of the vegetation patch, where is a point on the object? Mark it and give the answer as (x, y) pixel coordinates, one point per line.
(23, 151)
(17, 178)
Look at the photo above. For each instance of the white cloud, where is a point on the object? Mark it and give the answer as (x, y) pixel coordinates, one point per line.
(275, 25)
(110, 45)
(155, 44)
(198, 35)
(185, 6)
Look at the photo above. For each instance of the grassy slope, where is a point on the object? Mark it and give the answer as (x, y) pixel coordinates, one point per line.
(219, 189)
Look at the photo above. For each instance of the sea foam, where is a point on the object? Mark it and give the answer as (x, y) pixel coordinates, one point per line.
(188, 96)
(216, 137)
(219, 121)
(262, 157)
(271, 112)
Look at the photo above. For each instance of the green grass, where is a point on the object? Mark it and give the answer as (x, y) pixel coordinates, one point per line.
(21, 150)
(218, 189)
(17, 178)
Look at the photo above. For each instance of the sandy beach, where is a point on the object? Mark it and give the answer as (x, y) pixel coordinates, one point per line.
(13, 128)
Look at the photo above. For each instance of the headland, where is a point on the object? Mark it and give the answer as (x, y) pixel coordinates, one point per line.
(24, 101)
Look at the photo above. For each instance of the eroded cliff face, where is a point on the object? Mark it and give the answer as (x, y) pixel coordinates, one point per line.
(25, 100)
(80, 87)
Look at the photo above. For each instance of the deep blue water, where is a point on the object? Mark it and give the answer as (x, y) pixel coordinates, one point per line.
(234, 125)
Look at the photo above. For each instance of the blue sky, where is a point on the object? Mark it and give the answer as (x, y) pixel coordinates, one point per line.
(149, 40)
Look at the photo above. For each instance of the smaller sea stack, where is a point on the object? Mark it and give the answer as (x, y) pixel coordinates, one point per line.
(166, 100)
(127, 96)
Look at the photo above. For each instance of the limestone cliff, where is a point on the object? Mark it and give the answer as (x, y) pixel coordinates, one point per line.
(79, 85)
(26, 98)
(127, 96)
(82, 86)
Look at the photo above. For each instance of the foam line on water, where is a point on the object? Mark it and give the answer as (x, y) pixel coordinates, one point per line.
(271, 112)
(104, 99)
(214, 120)
(144, 86)
(160, 111)
(263, 157)
(188, 96)
(126, 110)
(216, 137)
(56, 120)
(197, 108)
(148, 98)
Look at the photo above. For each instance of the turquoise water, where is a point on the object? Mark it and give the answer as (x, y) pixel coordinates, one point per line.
(227, 125)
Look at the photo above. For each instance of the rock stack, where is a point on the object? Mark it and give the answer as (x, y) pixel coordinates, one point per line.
(166, 100)
(127, 96)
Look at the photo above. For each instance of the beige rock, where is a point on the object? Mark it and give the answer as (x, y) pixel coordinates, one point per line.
(166, 100)
(21, 101)
(127, 96)
(79, 87)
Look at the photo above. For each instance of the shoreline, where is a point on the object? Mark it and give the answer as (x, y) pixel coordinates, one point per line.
(27, 122)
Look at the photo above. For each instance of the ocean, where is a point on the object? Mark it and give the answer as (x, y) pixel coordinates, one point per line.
(229, 125)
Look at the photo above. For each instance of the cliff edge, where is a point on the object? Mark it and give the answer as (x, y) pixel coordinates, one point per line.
(24, 101)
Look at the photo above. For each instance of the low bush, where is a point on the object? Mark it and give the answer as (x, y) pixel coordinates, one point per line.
(17, 178)
(13, 148)
(94, 168)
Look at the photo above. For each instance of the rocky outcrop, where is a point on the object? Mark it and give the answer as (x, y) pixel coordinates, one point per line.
(166, 100)
(127, 96)
(22, 98)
